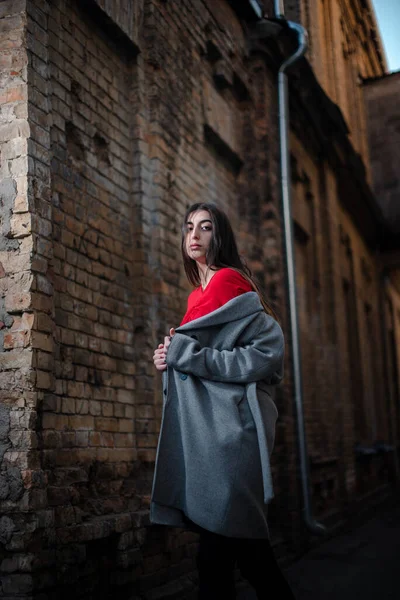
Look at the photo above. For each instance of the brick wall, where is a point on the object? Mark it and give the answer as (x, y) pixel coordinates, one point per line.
(120, 143)
(339, 301)
(317, 324)
(344, 47)
(115, 117)
(89, 447)
(20, 479)
(90, 416)
(380, 96)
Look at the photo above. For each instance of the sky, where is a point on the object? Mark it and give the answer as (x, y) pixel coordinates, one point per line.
(388, 16)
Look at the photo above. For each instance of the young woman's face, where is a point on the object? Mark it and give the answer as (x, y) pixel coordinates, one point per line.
(198, 235)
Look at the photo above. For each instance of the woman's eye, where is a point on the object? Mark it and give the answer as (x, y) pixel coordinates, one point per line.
(206, 228)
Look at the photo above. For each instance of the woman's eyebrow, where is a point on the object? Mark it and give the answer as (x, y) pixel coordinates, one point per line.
(203, 221)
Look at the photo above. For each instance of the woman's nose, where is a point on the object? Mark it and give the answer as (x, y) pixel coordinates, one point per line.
(195, 234)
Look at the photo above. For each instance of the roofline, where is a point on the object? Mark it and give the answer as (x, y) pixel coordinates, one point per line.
(378, 38)
(368, 80)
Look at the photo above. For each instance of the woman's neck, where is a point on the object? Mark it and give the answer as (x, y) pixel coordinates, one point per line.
(206, 273)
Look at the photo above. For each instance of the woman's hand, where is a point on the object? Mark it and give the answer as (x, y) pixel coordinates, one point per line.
(160, 353)
(159, 358)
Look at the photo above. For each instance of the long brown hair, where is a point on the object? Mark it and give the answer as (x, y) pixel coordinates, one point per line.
(222, 252)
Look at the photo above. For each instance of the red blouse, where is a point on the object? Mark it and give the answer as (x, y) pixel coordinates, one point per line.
(225, 285)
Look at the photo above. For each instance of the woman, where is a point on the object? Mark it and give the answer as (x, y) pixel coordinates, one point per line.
(212, 471)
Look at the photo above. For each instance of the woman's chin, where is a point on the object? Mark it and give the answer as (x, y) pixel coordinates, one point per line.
(197, 256)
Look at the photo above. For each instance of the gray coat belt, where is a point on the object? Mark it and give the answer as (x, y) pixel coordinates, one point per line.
(218, 425)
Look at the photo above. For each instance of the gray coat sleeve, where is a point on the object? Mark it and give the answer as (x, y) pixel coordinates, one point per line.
(259, 359)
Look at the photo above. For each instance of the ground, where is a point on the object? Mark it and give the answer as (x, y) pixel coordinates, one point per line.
(363, 563)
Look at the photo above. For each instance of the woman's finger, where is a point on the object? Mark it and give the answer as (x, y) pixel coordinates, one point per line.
(160, 365)
(159, 355)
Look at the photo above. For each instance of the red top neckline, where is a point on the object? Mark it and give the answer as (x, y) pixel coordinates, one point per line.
(225, 285)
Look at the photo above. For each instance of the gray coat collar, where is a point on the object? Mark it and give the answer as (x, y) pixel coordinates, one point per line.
(242, 306)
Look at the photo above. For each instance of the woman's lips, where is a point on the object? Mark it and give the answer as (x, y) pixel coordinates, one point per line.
(195, 247)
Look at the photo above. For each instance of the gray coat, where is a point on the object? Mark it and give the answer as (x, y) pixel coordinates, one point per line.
(218, 424)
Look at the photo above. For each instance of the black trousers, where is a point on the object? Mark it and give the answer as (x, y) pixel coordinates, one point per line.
(219, 555)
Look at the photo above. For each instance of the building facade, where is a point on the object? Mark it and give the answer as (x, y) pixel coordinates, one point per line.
(380, 97)
(115, 116)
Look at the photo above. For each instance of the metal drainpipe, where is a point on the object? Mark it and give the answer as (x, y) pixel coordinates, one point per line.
(309, 519)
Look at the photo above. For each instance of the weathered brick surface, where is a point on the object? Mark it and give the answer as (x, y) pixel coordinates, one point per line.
(21, 480)
(380, 97)
(115, 116)
(344, 47)
(15, 247)
(91, 422)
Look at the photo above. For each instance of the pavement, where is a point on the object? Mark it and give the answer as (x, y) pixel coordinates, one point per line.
(360, 564)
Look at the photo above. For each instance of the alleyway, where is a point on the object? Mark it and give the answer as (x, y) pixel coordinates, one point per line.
(363, 564)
